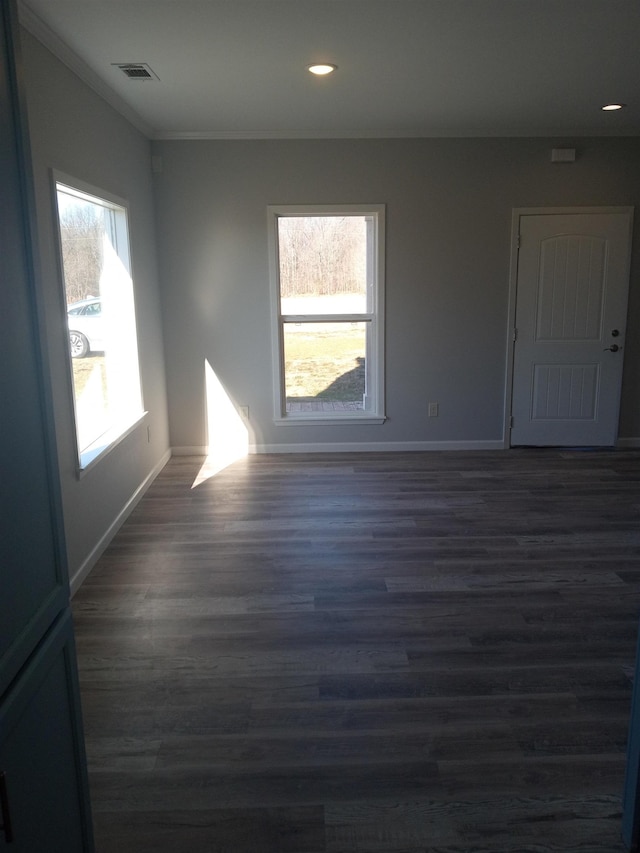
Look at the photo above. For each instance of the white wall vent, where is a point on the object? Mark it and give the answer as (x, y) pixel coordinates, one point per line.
(136, 70)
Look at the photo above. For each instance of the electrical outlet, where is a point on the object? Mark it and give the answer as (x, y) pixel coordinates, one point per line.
(433, 410)
(244, 412)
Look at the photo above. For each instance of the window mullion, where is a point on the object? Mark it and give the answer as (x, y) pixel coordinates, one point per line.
(327, 318)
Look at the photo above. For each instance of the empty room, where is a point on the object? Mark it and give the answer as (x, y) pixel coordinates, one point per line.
(321, 426)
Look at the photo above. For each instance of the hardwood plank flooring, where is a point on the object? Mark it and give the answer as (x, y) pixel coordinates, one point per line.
(381, 653)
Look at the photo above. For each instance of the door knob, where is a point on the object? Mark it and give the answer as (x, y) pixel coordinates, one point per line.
(612, 348)
(614, 333)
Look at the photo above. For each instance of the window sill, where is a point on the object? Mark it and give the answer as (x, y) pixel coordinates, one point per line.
(314, 419)
(103, 445)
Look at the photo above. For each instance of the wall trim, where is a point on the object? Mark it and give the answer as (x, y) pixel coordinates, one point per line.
(317, 133)
(354, 447)
(628, 443)
(190, 450)
(376, 446)
(95, 554)
(382, 133)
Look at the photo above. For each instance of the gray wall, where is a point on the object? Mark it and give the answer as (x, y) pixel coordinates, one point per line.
(449, 206)
(76, 132)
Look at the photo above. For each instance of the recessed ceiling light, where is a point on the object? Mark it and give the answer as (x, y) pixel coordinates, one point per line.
(611, 107)
(321, 68)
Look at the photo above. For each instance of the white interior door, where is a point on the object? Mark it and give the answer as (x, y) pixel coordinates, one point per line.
(571, 308)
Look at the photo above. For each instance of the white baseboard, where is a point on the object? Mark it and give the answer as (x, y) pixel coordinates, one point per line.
(355, 447)
(628, 443)
(96, 553)
(377, 447)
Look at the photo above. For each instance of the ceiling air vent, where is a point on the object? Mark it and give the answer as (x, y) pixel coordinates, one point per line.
(136, 70)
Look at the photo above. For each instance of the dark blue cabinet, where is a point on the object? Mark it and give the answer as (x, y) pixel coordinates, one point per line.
(41, 751)
(43, 786)
(631, 799)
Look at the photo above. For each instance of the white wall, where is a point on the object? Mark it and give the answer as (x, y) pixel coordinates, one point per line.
(76, 132)
(449, 206)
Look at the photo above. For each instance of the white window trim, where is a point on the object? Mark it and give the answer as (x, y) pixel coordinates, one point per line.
(376, 336)
(117, 432)
(106, 442)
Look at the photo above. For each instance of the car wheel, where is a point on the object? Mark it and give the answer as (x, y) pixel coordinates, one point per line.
(79, 345)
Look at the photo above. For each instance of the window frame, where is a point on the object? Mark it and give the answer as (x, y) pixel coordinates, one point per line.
(118, 208)
(375, 355)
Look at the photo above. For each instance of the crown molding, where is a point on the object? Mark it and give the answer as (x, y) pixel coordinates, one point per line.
(44, 34)
(548, 133)
(283, 134)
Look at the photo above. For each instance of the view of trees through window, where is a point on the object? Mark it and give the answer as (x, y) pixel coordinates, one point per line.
(323, 297)
(322, 255)
(101, 318)
(81, 240)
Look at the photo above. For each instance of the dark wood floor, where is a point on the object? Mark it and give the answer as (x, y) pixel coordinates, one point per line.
(359, 652)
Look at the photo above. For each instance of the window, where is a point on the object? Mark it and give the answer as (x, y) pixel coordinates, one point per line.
(103, 344)
(327, 266)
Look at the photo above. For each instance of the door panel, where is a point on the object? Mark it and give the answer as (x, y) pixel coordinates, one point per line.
(564, 392)
(32, 558)
(572, 287)
(42, 753)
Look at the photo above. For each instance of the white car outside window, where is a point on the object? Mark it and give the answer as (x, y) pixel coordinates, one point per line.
(85, 327)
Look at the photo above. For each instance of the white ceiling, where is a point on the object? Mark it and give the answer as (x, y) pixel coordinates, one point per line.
(236, 68)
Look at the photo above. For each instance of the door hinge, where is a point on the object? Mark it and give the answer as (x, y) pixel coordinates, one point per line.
(515, 334)
(511, 422)
(518, 241)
